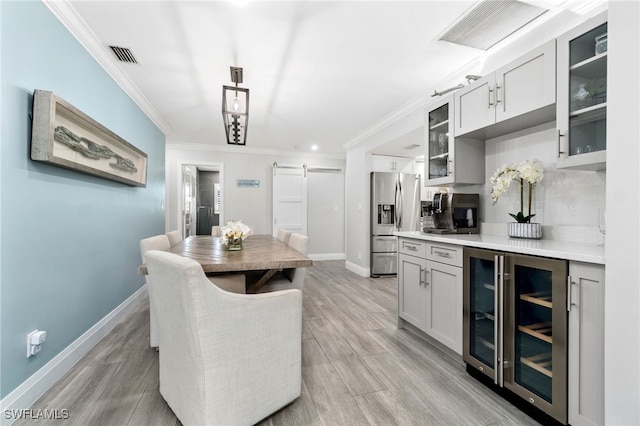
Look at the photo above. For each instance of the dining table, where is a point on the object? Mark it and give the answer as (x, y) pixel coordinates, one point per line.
(262, 254)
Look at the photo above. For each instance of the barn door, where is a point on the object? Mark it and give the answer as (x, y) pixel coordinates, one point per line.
(289, 199)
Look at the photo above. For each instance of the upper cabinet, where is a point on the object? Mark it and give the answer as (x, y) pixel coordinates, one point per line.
(582, 96)
(516, 96)
(448, 160)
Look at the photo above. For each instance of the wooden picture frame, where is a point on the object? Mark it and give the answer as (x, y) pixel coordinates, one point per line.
(64, 136)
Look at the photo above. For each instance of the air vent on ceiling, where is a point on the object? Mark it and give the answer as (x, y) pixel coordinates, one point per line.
(491, 21)
(124, 54)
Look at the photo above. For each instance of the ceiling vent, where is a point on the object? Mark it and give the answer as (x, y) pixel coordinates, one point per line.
(491, 21)
(124, 54)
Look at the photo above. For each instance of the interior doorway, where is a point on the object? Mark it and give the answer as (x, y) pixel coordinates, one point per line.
(201, 195)
(208, 201)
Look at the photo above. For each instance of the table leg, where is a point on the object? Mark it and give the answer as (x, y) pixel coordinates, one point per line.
(263, 279)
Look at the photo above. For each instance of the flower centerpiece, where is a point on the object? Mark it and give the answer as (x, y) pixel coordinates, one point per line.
(233, 233)
(528, 173)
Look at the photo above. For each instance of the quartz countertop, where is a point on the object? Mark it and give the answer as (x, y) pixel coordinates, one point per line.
(581, 252)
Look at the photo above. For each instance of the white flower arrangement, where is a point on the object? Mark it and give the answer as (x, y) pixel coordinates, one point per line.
(234, 230)
(530, 171)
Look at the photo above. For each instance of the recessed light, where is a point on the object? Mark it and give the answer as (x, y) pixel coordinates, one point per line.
(314, 147)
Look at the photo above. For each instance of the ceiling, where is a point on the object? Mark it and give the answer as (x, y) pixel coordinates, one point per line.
(320, 73)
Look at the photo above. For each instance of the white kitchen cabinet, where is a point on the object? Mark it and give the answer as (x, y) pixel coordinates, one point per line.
(444, 304)
(518, 95)
(430, 289)
(411, 289)
(411, 281)
(449, 161)
(586, 344)
(581, 109)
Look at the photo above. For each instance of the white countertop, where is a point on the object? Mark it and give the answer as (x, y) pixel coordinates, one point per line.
(581, 252)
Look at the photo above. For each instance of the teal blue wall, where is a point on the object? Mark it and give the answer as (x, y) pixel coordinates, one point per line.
(69, 242)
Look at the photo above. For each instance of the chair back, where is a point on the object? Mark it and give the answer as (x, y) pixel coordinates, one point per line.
(284, 235)
(174, 237)
(215, 231)
(299, 242)
(296, 275)
(159, 242)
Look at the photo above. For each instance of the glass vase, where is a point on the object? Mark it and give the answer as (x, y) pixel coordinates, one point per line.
(235, 244)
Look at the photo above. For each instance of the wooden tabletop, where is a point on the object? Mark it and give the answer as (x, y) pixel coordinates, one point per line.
(259, 252)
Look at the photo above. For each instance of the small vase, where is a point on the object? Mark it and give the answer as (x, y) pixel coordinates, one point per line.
(235, 244)
(525, 230)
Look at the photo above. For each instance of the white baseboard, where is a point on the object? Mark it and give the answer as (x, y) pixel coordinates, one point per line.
(327, 256)
(25, 395)
(356, 269)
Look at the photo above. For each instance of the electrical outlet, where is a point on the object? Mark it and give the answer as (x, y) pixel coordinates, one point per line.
(35, 339)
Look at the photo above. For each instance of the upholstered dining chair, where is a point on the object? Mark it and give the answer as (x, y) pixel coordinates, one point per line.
(215, 231)
(159, 242)
(283, 235)
(290, 277)
(225, 358)
(174, 237)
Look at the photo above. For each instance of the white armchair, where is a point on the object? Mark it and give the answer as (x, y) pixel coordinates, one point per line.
(158, 242)
(225, 358)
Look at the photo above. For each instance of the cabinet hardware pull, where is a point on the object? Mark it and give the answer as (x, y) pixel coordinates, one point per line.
(497, 97)
(442, 253)
(560, 135)
(412, 248)
(496, 310)
(426, 281)
(422, 281)
(570, 282)
(490, 92)
(449, 163)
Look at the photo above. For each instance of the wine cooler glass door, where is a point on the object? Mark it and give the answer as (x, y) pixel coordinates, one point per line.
(481, 312)
(535, 340)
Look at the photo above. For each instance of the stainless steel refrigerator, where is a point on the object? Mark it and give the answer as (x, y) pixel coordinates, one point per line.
(395, 206)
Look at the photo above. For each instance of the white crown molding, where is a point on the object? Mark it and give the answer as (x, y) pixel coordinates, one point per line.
(250, 150)
(67, 15)
(420, 101)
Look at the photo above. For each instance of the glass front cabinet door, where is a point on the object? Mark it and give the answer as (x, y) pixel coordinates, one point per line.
(439, 143)
(582, 96)
(449, 161)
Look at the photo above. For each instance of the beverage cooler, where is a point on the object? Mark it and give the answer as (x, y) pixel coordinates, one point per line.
(515, 325)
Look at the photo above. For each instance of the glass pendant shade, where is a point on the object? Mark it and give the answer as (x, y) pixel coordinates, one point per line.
(235, 113)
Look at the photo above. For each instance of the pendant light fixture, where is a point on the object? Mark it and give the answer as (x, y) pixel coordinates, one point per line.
(235, 109)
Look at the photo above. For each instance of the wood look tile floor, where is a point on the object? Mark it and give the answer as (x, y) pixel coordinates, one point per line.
(358, 368)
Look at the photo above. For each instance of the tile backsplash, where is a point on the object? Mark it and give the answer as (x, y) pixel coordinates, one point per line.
(566, 202)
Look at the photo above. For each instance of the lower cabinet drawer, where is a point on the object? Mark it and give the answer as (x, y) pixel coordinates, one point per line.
(445, 253)
(412, 247)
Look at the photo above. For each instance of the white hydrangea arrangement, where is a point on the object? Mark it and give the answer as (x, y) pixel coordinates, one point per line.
(530, 171)
(234, 230)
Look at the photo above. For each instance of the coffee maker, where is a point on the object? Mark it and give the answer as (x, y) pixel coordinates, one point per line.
(452, 214)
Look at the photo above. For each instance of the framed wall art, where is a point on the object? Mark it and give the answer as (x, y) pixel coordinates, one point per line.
(64, 136)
